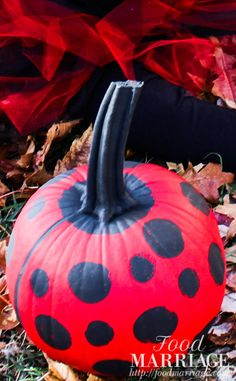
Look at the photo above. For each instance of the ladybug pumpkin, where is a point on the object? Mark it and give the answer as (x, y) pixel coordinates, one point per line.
(104, 262)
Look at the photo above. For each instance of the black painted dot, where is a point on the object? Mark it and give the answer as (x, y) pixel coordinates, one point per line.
(189, 282)
(89, 281)
(216, 263)
(113, 367)
(195, 198)
(164, 237)
(72, 200)
(141, 269)
(154, 324)
(53, 332)
(36, 208)
(99, 333)
(39, 282)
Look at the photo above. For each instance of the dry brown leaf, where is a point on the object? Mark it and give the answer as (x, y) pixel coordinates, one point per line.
(226, 373)
(231, 231)
(229, 303)
(223, 334)
(8, 319)
(231, 280)
(230, 211)
(16, 176)
(91, 377)
(3, 190)
(2, 345)
(224, 86)
(3, 284)
(3, 251)
(25, 159)
(208, 180)
(77, 155)
(57, 131)
(59, 371)
(227, 209)
(37, 178)
(230, 253)
(178, 168)
(231, 355)
(4, 301)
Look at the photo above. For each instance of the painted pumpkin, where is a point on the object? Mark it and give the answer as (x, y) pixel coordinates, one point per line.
(104, 262)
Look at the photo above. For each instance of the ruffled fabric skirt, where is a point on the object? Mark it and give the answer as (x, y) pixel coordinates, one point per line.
(48, 51)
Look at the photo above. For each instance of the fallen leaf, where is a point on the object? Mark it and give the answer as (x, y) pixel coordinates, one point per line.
(226, 373)
(7, 165)
(230, 211)
(229, 303)
(208, 180)
(91, 377)
(39, 177)
(3, 190)
(59, 371)
(230, 253)
(8, 319)
(55, 132)
(2, 345)
(3, 284)
(16, 176)
(227, 209)
(223, 334)
(3, 250)
(231, 231)
(222, 219)
(4, 301)
(25, 159)
(77, 155)
(231, 355)
(224, 85)
(223, 229)
(231, 280)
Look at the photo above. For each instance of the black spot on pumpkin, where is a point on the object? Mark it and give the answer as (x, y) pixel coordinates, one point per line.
(154, 324)
(39, 282)
(189, 282)
(141, 269)
(195, 198)
(113, 367)
(72, 200)
(99, 333)
(164, 237)
(10, 248)
(89, 281)
(52, 332)
(216, 263)
(36, 208)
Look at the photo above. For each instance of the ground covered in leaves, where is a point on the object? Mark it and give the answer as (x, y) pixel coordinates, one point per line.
(27, 163)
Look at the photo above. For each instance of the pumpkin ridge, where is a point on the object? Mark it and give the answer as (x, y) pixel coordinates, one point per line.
(28, 257)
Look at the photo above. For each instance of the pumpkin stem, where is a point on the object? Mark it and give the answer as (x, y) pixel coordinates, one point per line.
(105, 193)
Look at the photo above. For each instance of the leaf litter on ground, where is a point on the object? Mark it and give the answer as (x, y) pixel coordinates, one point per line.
(41, 157)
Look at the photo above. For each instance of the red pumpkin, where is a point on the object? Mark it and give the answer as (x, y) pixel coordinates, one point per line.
(105, 262)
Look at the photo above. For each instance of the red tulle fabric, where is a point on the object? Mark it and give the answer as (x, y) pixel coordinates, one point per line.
(154, 32)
